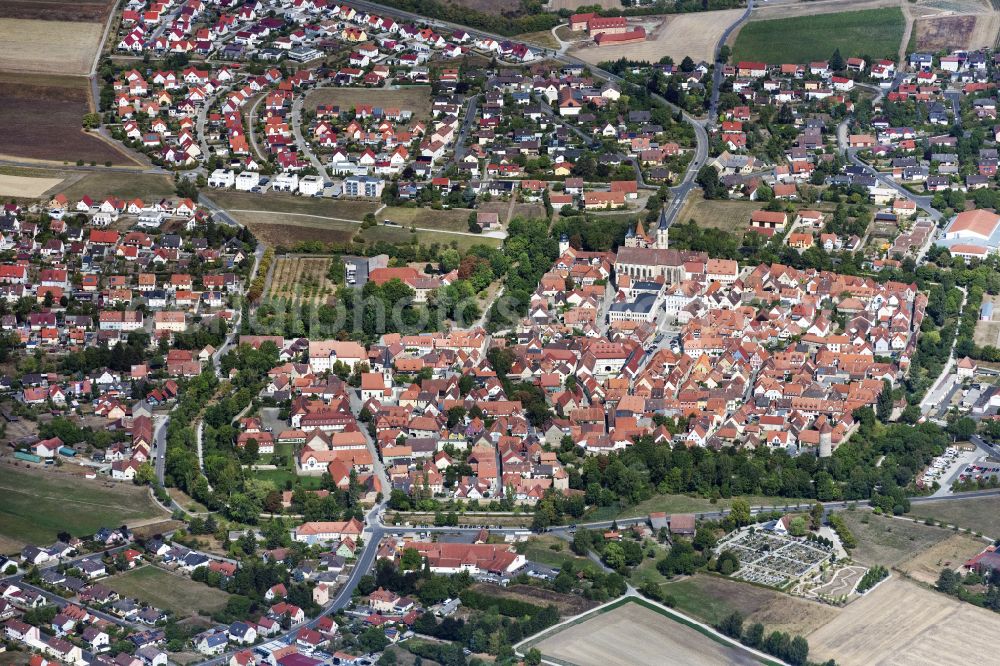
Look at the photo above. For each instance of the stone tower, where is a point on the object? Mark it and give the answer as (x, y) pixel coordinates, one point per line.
(825, 441)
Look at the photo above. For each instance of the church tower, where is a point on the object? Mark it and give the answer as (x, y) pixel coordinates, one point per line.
(630, 239)
(563, 244)
(662, 231)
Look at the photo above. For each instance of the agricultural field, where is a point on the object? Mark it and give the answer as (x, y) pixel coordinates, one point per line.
(874, 32)
(568, 604)
(900, 622)
(887, 541)
(711, 598)
(951, 553)
(56, 10)
(168, 591)
(302, 278)
(977, 514)
(32, 45)
(57, 134)
(26, 187)
(38, 505)
(651, 637)
(692, 34)
(943, 33)
(794, 8)
(414, 98)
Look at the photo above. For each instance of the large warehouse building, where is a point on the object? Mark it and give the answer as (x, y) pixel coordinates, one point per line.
(974, 233)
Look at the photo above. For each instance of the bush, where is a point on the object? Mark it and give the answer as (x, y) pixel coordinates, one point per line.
(871, 578)
(839, 526)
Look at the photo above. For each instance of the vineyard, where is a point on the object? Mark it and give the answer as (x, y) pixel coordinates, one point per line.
(302, 280)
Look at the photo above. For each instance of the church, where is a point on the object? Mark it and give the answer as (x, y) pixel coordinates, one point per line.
(647, 256)
(637, 237)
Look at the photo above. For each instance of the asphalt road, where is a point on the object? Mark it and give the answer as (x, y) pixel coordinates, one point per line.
(717, 77)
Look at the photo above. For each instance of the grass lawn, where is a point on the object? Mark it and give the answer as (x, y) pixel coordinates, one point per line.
(646, 571)
(413, 98)
(38, 505)
(453, 219)
(402, 235)
(537, 549)
(541, 38)
(711, 598)
(732, 216)
(98, 185)
(171, 592)
(283, 220)
(186, 500)
(873, 32)
(683, 504)
(288, 203)
(887, 541)
(691, 598)
(280, 477)
(977, 514)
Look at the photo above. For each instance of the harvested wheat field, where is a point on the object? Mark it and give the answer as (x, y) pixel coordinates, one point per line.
(48, 46)
(900, 622)
(950, 553)
(674, 35)
(651, 638)
(26, 186)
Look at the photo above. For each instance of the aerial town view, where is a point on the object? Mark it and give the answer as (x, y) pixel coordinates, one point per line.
(453, 333)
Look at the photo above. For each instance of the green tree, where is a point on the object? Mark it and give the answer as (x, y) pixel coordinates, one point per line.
(883, 407)
(815, 516)
(797, 527)
(410, 560)
(798, 651)
(711, 185)
(754, 635)
(948, 581)
(837, 61)
(732, 625)
(614, 556)
(739, 511)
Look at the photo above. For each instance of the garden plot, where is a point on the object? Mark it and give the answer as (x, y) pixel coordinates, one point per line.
(302, 278)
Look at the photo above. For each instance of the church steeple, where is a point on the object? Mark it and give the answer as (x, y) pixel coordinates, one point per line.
(663, 230)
